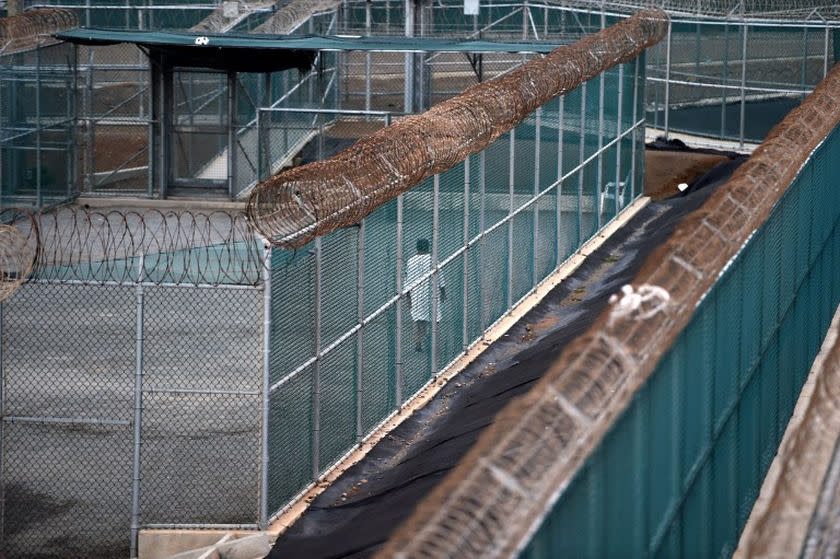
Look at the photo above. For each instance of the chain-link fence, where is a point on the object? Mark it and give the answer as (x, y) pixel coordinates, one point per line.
(347, 349)
(115, 119)
(734, 80)
(37, 126)
(651, 433)
(132, 380)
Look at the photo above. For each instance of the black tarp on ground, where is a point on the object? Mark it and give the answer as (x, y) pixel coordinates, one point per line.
(356, 514)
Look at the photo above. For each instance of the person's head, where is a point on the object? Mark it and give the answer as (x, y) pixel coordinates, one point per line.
(422, 246)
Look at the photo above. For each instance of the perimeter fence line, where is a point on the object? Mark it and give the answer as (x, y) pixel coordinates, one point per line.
(727, 70)
(345, 350)
(759, 263)
(132, 354)
(288, 371)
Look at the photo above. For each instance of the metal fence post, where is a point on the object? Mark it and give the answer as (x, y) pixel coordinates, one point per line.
(599, 169)
(266, 401)
(465, 293)
(667, 79)
(2, 427)
(825, 53)
(398, 369)
(138, 408)
(618, 130)
(482, 197)
(150, 128)
(316, 381)
(743, 86)
(511, 179)
(360, 317)
(558, 204)
(636, 64)
(89, 118)
(367, 60)
(231, 133)
(582, 159)
(436, 273)
(408, 60)
(39, 193)
(536, 206)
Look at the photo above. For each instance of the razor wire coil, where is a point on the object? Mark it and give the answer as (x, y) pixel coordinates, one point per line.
(294, 206)
(29, 29)
(125, 246)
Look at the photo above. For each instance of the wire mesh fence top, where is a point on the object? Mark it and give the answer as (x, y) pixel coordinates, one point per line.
(297, 205)
(126, 246)
(25, 31)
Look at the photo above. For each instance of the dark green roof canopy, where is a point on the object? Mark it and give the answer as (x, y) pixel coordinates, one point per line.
(268, 53)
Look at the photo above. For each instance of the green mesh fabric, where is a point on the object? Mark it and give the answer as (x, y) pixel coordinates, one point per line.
(681, 468)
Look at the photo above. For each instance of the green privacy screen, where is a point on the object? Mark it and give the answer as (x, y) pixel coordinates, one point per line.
(679, 471)
(344, 354)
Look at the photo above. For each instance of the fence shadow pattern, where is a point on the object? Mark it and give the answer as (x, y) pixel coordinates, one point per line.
(654, 429)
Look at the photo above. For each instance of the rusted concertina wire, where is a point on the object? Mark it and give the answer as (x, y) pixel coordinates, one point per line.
(110, 245)
(26, 30)
(294, 206)
(498, 494)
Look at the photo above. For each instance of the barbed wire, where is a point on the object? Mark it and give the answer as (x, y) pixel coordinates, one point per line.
(499, 493)
(124, 246)
(34, 27)
(294, 206)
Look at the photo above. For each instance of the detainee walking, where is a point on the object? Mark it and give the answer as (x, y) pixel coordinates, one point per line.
(420, 296)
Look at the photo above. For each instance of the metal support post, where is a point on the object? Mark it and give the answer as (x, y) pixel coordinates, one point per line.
(262, 152)
(511, 179)
(2, 428)
(266, 373)
(725, 80)
(482, 252)
(408, 60)
(582, 159)
(536, 205)
(39, 193)
(435, 274)
(398, 355)
(639, 62)
(825, 53)
(360, 316)
(619, 132)
(743, 87)
(465, 278)
(599, 170)
(558, 198)
(164, 117)
(89, 118)
(151, 98)
(525, 21)
(316, 381)
(231, 133)
(803, 70)
(367, 60)
(667, 79)
(138, 407)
